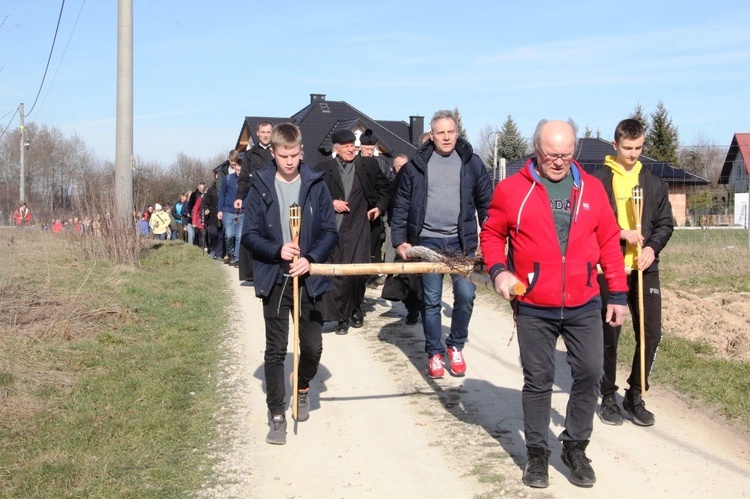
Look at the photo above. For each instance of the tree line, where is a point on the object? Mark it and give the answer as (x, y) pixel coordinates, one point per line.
(65, 179)
(63, 176)
(662, 137)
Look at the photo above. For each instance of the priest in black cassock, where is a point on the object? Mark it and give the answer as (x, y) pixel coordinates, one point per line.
(360, 193)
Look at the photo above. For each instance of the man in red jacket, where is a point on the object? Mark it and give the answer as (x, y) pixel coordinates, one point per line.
(557, 224)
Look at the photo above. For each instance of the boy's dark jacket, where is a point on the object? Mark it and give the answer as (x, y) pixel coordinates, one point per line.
(657, 220)
(261, 228)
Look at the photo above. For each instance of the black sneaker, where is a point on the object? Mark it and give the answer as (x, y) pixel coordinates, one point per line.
(536, 471)
(610, 412)
(412, 318)
(342, 328)
(636, 407)
(574, 457)
(303, 405)
(277, 434)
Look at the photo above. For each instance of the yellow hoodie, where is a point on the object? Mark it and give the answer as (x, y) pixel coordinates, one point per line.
(622, 184)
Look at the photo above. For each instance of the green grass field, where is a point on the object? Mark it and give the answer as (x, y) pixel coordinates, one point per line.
(113, 385)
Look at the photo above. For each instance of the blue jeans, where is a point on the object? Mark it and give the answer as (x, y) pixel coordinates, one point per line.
(432, 295)
(232, 234)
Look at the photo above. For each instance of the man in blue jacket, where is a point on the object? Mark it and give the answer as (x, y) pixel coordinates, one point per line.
(456, 190)
(266, 234)
(231, 218)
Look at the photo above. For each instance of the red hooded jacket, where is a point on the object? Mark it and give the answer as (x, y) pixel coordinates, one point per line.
(558, 286)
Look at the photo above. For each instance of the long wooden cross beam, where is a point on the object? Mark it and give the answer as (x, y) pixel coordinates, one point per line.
(438, 264)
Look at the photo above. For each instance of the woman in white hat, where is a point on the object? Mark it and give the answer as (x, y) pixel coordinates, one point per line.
(159, 222)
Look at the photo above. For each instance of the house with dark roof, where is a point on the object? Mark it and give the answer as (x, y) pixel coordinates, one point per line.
(736, 171)
(590, 154)
(735, 174)
(320, 118)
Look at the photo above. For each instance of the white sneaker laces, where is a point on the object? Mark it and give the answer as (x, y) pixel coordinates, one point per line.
(457, 356)
(437, 362)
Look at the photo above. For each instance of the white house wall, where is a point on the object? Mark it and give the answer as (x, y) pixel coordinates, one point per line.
(741, 209)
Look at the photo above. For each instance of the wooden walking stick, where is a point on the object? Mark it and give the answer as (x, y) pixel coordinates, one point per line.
(638, 214)
(295, 213)
(434, 264)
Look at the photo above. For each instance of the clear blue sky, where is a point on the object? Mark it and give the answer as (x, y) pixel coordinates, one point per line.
(201, 66)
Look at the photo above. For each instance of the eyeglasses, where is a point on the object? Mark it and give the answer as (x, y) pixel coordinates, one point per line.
(554, 157)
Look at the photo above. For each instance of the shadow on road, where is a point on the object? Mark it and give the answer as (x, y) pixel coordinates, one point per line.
(477, 402)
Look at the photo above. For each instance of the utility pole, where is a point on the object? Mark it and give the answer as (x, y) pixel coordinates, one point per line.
(22, 182)
(124, 129)
(494, 157)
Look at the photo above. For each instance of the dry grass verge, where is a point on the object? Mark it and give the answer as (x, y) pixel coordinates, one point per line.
(106, 370)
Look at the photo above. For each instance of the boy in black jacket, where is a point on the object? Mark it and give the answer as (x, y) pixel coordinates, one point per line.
(620, 174)
(267, 235)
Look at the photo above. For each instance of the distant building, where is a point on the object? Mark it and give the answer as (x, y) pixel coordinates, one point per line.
(320, 118)
(590, 154)
(736, 170)
(736, 175)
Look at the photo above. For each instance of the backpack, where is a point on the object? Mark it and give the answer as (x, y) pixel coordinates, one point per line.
(177, 212)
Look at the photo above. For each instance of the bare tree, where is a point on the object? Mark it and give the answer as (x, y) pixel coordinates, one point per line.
(703, 157)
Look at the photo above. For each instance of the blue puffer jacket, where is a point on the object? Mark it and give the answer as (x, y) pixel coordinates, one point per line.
(261, 228)
(411, 197)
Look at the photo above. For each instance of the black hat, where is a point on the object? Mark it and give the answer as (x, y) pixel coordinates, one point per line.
(343, 136)
(367, 138)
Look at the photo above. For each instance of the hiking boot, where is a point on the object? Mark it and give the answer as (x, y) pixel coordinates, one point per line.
(277, 434)
(636, 407)
(342, 328)
(457, 362)
(536, 471)
(303, 405)
(376, 281)
(610, 412)
(225, 259)
(412, 318)
(574, 457)
(435, 367)
(358, 318)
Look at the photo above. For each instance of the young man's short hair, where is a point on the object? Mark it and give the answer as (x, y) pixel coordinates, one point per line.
(264, 123)
(629, 129)
(286, 135)
(233, 156)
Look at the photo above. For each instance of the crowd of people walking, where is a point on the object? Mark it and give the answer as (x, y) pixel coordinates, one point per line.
(570, 238)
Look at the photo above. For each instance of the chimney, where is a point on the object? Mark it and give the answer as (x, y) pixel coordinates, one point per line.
(317, 98)
(416, 129)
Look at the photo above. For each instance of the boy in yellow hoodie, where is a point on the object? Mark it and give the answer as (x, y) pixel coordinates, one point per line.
(620, 174)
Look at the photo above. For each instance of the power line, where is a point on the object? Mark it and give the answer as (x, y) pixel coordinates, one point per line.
(59, 17)
(65, 51)
(8, 125)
